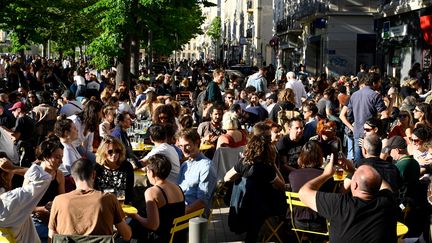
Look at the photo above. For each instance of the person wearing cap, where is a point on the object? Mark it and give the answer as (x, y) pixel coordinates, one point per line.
(371, 150)
(408, 167)
(22, 133)
(70, 106)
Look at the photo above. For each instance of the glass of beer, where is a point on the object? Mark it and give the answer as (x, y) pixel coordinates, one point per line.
(121, 196)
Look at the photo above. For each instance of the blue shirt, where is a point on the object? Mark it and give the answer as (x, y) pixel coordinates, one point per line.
(364, 104)
(197, 179)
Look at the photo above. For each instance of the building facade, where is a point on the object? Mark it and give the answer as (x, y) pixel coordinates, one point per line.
(247, 28)
(404, 30)
(327, 36)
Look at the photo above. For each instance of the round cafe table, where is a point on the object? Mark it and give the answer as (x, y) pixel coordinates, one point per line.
(401, 230)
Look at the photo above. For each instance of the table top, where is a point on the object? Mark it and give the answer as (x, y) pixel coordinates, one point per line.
(401, 229)
(142, 147)
(129, 209)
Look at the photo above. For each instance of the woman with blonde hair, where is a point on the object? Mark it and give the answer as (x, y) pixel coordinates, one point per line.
(234, 136)
(113, 172)
(147, 108)
(403, 126)
(286, 101)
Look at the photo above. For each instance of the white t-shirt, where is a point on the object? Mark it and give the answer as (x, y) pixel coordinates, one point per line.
(170, 152)
(299, 91)
(86, 141)
(70, 155)
(79, 80)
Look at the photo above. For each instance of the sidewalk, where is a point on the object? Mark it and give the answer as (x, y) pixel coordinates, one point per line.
(218, 230)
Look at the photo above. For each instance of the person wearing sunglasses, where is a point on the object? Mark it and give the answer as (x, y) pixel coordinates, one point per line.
(403, 126)
(113, 172)
(417, 147)
(423, 114)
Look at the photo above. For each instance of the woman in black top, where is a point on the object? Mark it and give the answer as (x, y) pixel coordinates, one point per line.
(164, 203)
(113, 171)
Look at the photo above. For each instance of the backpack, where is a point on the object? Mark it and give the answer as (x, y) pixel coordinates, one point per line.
(202, 96)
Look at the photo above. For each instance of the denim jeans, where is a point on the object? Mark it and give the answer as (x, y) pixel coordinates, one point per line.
(41, 229)
(349, 142)
(357, 151)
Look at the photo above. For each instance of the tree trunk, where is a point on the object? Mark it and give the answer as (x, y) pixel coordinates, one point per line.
(60, 55)
(123, 63)
(44, 49)
(135, 46)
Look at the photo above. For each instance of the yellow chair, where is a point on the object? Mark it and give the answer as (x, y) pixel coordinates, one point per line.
(6, 236)
(274, 228)
(182, 222)
(293, 200)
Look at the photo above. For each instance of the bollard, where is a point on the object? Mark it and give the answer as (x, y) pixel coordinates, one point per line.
(198, 230)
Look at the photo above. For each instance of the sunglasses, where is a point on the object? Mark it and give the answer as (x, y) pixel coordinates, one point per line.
(417, 110)
(414, 140)
(403, 116)
(230, 97)
(111, 151)
(367, 129)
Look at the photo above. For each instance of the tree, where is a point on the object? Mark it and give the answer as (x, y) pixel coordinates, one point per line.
(129, 21)
(215, 31)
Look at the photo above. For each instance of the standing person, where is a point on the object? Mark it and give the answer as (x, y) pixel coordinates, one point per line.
(258, 169)
(17, 204)
(197, 176)
(214, 93)
(66, 130)
(310, 111)
(86, 211)
(364, 104)
(298, 88)
(22, 134)
(164, 202)
(258, 80)
(371, 196)
(112, 171)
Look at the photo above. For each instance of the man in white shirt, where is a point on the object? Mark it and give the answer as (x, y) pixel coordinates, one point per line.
(159, 137)
(297, 87)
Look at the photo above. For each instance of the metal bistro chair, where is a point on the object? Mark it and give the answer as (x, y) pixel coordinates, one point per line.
(293, 200)
(6, 236)
(182, 222)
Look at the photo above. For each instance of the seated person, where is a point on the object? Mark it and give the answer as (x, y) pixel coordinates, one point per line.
(158, 136)
(310, 161)
(17, 204)
(197, 177)
(113, 172)
(326, 138)
(234, 136)
(164, 203)
(86, 211)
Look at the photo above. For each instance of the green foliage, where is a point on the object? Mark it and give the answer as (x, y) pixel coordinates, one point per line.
(215, 29)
